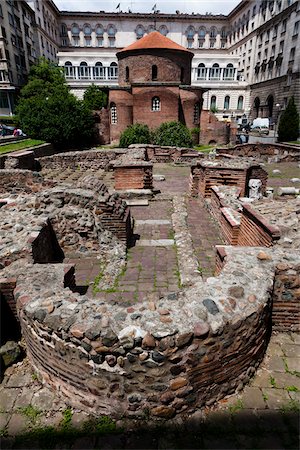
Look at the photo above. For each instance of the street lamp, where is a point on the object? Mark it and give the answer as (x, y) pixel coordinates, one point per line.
(277, 120)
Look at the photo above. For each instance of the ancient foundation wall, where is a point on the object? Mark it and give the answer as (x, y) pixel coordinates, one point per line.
(277, 152)
(192, 349)
(22, 181)
(286, 298)
(255, 230)
(133, 176)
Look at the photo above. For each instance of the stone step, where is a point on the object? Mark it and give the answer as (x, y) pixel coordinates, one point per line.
(155, 242)
(153, 222)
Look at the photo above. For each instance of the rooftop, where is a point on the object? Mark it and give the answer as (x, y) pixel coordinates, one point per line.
(155, 40)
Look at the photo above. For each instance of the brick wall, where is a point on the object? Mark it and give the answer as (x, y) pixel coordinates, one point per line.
(124, 102)
(286, 297)
(214, 131)
(169, 64)
(255, 231)
(133, 176)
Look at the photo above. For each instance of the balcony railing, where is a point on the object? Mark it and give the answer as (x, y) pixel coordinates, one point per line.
(91, 73)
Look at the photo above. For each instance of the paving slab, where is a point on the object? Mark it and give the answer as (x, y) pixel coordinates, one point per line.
(293, 364)
(17, 424)
(252, 398)
(276, 398)
(276, 364)
(7, 398)
(155, 242)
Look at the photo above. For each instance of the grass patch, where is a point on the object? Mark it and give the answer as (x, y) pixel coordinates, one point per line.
(20, 145)
(67, 418)
(292, 405)
(237, 406)
(30, 412)
(291, 388)
(291, 372)
(273, 382)
(203, 148)
(265, 397)
(101, 425)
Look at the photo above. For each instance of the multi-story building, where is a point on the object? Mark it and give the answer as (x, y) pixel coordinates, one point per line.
(25, 34)
(248, 59)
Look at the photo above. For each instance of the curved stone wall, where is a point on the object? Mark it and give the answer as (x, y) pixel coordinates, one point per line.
(188, 350)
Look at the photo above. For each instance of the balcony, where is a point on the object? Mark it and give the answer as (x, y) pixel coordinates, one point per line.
(96, 73)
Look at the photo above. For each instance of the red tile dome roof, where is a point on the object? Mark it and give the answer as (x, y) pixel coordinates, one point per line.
(154, 40)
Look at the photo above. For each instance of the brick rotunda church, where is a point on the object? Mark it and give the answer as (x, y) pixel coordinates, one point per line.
(154, 86)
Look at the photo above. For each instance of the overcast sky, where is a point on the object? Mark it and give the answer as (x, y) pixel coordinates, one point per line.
(165, 6)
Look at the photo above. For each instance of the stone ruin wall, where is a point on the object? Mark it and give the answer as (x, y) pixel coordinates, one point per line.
(261, 151)
(204, 175)
(194, 348)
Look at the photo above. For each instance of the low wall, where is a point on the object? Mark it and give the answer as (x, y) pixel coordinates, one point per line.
(135, 175)
(277, 152)
(286, 298)
(255, 230)
(207, 174)
(188, 351)
(38, 151)
(22, 181)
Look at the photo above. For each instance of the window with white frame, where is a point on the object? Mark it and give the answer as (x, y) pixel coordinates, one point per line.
(226, 102)
(229, 72)
(69, 70)
(215, 72)
(113, 114)
(155, 104)
(75, 29)
(240, 102)
(201, 72)
(98, 71)
(213, 103)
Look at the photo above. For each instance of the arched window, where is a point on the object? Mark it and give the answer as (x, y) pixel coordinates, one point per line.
(181, 74)
(99, 30)
(190, 33)
(99, 71)
(163, 30)
(196, 112)
(213, 32)
(202, 33)
(223, 33)
(63, 30)
(75, 29)
(111, 31)
(139, 31)
(226, 102)
(201, 72)
(215, 72)
(113, 113)
(213, 103)
(229, 72)
(240, 102)
(155, 104)
(154, 73)
(127, 73)
(270, 103)
(84, 71)
(87, 29)
(69, 70)
(257, 105)
(113, 71)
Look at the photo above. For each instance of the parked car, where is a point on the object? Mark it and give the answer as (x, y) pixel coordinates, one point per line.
(260, 130)
(6, 130)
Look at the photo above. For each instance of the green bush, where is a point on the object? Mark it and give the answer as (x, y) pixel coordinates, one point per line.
(135, 134)
(288, 128)
(95, 98)
(172, 133)
(48, 111)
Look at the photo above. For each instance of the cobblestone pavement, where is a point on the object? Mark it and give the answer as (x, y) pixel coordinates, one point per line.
(265, 415)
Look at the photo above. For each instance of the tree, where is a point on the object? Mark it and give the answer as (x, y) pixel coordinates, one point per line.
(173, 133)
(48, 111)
(135, 134)
(95, 98)
(288, 128)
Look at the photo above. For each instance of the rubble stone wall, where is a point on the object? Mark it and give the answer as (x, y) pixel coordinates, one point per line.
(21, 181)
(277, 152)
(286, 298)
(191, 349)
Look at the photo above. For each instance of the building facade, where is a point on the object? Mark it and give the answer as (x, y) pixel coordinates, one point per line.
(248, 60)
